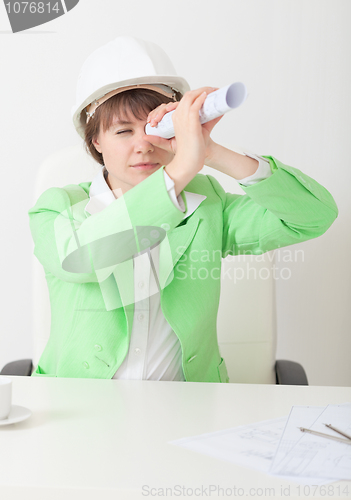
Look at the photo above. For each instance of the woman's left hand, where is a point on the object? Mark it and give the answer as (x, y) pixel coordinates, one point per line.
(156, 115)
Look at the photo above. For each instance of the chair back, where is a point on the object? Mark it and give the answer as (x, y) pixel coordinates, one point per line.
(246, 323)
(68, 166)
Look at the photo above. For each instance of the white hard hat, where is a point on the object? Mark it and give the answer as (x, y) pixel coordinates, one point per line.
(124, 62)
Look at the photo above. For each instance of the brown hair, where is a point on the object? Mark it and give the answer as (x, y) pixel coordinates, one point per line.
(138, 102)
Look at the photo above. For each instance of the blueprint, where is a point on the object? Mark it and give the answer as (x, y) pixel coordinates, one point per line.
(305, 455)
(253, 445)
(278, 447)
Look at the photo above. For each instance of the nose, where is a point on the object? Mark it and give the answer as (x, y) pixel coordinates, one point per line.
(142, 145)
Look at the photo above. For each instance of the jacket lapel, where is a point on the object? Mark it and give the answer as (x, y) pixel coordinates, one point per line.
(118, 288)
(173, 247)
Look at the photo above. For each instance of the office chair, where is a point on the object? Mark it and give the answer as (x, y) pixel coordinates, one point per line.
(246, 317)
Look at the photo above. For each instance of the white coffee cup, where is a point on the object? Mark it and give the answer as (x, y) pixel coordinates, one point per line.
(5, 397)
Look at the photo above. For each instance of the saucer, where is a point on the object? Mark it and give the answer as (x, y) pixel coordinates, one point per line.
(17, 414)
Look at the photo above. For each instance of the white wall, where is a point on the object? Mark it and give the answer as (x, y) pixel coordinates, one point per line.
(293, 55)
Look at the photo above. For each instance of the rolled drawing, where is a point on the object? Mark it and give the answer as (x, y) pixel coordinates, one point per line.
(216, 104)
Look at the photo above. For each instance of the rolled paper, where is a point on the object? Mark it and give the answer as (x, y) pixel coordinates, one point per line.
(216, 104)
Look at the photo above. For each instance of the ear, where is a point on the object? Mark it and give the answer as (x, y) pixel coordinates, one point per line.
(96, 144)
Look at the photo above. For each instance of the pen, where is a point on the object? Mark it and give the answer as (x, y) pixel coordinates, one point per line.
(337, 430)
(321, 434)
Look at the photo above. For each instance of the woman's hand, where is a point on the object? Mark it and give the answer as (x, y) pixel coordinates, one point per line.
(156, 115)
(191, 143)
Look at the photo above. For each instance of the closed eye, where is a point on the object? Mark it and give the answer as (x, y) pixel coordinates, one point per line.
(123, 131)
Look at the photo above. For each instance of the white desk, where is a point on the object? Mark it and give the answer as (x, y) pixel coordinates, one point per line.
(106, 439)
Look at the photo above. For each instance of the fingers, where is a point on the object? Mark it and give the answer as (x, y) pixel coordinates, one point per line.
(156, 115)
(193, 100)
(191, 95)
(190, 105)
(198, 103)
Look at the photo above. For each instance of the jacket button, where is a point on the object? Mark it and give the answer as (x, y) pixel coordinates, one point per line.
(97, 347)
(165, 226)
(86, 365)
(154, 234)
(145, 242)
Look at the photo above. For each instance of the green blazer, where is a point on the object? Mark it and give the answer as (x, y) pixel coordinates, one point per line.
(91, 294)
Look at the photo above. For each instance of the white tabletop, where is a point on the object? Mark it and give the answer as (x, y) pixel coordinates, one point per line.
(108, 439)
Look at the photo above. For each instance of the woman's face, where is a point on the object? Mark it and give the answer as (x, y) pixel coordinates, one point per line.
(128, 156)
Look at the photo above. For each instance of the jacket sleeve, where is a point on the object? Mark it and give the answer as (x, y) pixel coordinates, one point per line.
(286, 208)
(77, 247)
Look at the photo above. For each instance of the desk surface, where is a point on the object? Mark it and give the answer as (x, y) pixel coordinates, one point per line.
(86, 435)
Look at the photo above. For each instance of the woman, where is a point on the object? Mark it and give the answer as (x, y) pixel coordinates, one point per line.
(128, 298)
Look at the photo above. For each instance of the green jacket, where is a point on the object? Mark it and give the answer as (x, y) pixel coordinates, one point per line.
(91, 295)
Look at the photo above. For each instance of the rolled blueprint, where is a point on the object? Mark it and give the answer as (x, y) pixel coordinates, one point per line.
(216, 104)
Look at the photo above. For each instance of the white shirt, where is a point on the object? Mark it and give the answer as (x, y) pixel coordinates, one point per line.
(154, 350)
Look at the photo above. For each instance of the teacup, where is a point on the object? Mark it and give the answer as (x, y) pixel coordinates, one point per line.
(5, 397)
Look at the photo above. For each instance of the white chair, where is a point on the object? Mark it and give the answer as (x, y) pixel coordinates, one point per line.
(68, 166)
(247, 342)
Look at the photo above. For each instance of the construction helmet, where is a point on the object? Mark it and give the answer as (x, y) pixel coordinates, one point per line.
(124, 63)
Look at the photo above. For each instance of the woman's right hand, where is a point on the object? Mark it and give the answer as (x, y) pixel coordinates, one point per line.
(191, 138)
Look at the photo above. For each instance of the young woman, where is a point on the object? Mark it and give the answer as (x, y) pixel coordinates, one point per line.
(129, 299)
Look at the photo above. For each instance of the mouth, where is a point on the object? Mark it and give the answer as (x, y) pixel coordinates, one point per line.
(145, 166)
